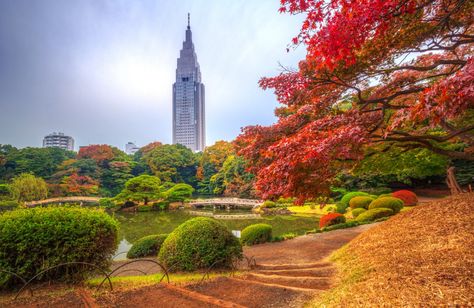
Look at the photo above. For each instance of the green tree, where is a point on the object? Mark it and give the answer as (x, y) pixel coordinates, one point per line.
(233, 179)
(179, 193)
(210, 162)
(172, 163)
(142, 188)
(27, 187)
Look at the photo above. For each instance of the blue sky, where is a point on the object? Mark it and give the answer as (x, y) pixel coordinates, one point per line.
(102, 70)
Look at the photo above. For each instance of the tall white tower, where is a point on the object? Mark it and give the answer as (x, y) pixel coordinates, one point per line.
(188, 99)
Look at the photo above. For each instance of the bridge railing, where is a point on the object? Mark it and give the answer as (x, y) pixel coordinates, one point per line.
(62, 200)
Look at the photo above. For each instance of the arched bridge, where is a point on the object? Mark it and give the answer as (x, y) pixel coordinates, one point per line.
(78, 199)
(227, 202)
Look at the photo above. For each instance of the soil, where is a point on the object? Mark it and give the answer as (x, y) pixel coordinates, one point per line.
(285, 274)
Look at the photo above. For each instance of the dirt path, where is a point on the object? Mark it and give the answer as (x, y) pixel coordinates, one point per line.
(287, 274)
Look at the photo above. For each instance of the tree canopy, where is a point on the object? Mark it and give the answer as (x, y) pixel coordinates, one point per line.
(399, 73)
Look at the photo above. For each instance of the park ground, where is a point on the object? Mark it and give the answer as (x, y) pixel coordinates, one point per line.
(420, 257)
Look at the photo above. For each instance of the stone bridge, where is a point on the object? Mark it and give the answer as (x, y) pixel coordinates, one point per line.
(226, 202)
(78, 199)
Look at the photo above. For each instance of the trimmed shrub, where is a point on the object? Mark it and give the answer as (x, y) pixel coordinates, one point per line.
(199, 243)
(409, 198)
(331, 219)
(256, 234)
(32, 240)
(373, 214)
(9, 204)
(107, 202)
(387, 202)
(147, 246)
(161, 205)
(360, 202)
(385, 195)
(268, 204)
(344, 203)
(344, 225)
(357, 211)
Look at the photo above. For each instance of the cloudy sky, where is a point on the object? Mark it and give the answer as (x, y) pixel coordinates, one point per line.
(102, 70)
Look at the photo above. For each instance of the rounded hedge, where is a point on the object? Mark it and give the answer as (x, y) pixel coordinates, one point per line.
(256, 234)
(373, 214)
(268, 204)
(331, 219)
(357, 211)
(32, 240)
(360, 202)
(344, 203)
(392, 203)
(409, 198)
(147, 246)
(199, 243)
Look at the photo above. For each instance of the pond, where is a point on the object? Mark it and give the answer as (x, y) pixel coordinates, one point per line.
(134, 226)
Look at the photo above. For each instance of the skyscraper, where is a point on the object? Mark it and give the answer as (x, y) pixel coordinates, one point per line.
(188, 99)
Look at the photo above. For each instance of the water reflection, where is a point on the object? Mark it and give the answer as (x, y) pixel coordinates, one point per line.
(136, 225)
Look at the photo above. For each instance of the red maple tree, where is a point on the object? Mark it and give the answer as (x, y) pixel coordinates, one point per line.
(396, 72)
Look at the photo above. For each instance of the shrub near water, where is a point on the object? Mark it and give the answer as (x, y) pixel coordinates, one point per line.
(146, 246)
(199, 243)
(392, 203)
(374, 214)
(34, 239)
(360, 202)
(256, 234)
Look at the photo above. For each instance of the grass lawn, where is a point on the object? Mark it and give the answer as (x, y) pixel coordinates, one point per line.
(313, 209)
(126, 282)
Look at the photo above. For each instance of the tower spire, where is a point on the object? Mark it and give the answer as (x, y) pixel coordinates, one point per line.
(189, 22)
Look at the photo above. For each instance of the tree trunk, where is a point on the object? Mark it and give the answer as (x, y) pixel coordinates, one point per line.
(452, 182)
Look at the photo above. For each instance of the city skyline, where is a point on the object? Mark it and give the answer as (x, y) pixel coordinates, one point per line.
(101, 71)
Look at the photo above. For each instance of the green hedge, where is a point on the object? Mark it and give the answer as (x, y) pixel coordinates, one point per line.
(344, 203)
(357, 211)
(256, 234)
(34, 239)
(392, 203)
(10, 204)
(374, 214)
(147, 246)
(199, 243)
(360, 202)
(344, 225)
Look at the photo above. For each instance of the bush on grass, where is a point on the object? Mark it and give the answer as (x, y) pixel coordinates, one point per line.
(9, 204)
(107, 202)
(374, 214)
(32, 240)
(344, 225)
(147, 246)
(409, 198)
(268, 204)
(392, 203)
(344, 203)
(331, 219)
(357, 211)
(199, 243)
(360, 202)
(256, 234)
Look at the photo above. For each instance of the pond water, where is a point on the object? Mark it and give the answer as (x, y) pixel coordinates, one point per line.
(134, 226)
